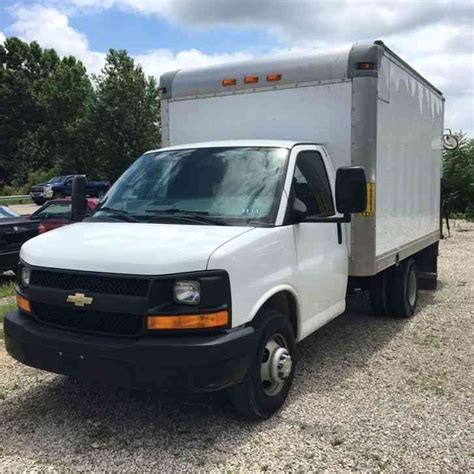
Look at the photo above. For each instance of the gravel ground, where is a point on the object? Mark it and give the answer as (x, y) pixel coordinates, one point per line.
(369, 394)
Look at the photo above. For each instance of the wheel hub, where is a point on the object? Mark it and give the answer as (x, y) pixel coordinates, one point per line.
(276, 365)
(281, 365)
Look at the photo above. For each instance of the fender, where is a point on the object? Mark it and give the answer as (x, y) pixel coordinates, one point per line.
(266, 296)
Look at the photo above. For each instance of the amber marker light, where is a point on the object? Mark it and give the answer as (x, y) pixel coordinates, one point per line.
(273, 77)
(250, 79)
(229, 82)
(23, 303)
(188, 321)
(366, 66)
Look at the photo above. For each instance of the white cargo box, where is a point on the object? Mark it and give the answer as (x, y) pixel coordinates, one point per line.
(365, 104)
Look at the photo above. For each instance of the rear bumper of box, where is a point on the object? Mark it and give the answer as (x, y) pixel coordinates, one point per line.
(194, 363)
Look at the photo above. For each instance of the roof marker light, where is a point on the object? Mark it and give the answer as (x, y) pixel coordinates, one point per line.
(366, 66)
(229, 82)
(250, 79)
(273, 77)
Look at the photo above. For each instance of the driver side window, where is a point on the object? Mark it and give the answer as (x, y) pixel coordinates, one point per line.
(311, 184)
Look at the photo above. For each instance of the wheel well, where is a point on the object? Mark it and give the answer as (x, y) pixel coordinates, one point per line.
(284, 302)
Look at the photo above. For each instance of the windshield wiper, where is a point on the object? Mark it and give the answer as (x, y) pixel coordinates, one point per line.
(196, 216)
(118, 214)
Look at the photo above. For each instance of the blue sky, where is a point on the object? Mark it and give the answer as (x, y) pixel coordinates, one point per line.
(434, 36)
(115, 28)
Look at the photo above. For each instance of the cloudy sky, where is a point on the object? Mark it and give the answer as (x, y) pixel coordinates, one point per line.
(436, 37)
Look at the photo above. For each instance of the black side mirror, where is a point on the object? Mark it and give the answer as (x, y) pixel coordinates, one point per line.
(78, 199)
(298, 210)
(351, 190)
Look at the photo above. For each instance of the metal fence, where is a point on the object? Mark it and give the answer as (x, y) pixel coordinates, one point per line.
(24, 199)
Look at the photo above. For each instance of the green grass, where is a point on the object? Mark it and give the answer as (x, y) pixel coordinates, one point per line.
(4, 309)
(7, 289)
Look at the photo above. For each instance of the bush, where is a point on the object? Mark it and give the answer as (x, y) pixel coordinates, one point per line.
(34, 177)
(458, 178)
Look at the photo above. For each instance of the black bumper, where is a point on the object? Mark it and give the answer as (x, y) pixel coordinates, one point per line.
(196, 363)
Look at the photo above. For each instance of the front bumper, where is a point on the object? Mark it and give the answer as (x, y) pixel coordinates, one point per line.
(195, 363)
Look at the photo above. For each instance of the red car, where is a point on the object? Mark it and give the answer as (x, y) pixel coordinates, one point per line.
(57, 213)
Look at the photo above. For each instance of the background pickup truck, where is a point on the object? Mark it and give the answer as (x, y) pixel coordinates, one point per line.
(61, 186)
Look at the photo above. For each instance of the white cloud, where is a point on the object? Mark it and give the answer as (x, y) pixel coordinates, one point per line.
(51, 29)
(2, 37)
(159, 61)
(435, 37)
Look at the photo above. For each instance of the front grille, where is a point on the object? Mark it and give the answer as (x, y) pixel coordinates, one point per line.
(88, 321)
(90, 283)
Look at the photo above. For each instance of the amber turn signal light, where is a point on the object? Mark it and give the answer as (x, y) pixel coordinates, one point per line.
(189, 321)
(23, 303)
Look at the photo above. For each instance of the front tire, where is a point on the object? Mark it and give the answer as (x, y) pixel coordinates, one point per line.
(270, 375)
(404, 290)
(39, 201)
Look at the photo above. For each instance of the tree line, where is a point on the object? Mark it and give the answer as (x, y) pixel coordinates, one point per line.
(55, 118)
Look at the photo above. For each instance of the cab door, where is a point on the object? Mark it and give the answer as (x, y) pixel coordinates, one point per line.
(321, 251)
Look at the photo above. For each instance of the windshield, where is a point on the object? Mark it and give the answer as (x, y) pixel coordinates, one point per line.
(5, 212)
(236, 185)
(56, 179)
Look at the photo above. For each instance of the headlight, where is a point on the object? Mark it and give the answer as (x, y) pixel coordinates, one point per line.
(25, 276)
(187, 292)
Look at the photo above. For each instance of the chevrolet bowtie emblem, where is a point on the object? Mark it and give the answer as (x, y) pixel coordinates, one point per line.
(79, 299)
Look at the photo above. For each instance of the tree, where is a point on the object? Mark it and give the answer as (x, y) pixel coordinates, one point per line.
(20, 66)
(458, 177)
(44, 103)
(126, 114)
(66, 101)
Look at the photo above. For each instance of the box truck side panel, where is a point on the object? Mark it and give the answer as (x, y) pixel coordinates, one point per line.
(319, 113)
(408, 166)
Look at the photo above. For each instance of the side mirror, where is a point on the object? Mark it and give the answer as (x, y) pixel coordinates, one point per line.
(351, 190)
(298, 210)
(78, 199)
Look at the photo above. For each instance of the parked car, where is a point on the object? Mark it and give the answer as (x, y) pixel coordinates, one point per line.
(61, 186)
(14, 231)
(57, 213)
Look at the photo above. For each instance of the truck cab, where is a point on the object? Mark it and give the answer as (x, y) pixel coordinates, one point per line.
(204, 260)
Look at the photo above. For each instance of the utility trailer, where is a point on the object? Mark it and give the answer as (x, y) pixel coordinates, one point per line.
(281, 184)
(364, 103)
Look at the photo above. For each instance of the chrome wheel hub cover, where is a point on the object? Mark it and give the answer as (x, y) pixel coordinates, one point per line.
(276, 365)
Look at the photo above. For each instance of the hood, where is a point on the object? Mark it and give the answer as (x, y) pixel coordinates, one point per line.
(128, 248)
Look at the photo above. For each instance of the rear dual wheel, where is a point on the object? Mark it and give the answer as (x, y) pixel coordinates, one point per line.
(394, 292)
(271, 369)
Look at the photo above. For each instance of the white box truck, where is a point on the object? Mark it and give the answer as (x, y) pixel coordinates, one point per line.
(210, 258)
